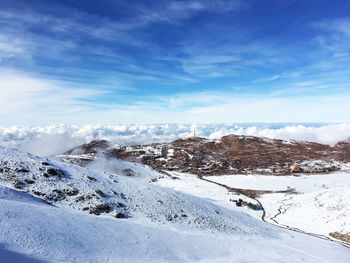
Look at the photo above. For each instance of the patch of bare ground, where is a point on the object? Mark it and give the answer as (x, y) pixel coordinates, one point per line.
(251, 193)
(340, 236)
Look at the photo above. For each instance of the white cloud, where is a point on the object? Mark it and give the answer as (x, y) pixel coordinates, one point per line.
(340, 25)
(55, 139)
(228, 106)
(307, 83)
(183, 6)
(24, 95)
(77, 22)
(10, 47)
(28, 100)
(336, 36)
(272, 78)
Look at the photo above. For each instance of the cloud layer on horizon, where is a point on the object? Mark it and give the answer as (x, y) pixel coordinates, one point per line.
(55, 139)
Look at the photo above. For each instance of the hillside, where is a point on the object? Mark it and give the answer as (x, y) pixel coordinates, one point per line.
(43, 219)
(96, 192)
(231, 154)
(249, 169)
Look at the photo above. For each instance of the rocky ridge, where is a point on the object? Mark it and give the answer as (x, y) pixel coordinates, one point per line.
(232, 154)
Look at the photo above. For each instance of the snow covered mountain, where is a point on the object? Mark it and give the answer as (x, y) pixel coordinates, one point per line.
(232, 154)
(115, 211)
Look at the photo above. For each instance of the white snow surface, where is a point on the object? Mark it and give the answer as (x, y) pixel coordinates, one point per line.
(320, 212)
(34, 231)
(320, 204)
(189, 183)
(302, 183)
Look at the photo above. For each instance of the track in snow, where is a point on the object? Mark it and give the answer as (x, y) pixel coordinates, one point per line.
(263, 216)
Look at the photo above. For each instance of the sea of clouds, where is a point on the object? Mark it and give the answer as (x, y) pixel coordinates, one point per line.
(56, 139)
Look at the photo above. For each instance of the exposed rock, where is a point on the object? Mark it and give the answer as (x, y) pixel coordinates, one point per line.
(38, 193)
(91, 178)
(29, 181)
(295, 168)
(164, 151)
(128, 172)
(80, 199)
(22, 170)
(18, 184)
(54, 172)
(119, 215)
(92, 147)
(340, 236)
(342, 151)
(71, 192)
(56, 195)
(101, 208)
(51, 171)
(100, 193)
(120, 205)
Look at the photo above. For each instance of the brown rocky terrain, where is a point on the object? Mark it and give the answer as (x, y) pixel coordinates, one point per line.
(341, 151)
(232, 154)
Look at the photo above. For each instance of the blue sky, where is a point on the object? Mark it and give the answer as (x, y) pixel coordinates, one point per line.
(79, 62)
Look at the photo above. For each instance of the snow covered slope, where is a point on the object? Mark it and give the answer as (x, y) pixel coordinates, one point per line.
(100, 192)
(322, 212)
(160, 224)
(38, 232)
(320, 203)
